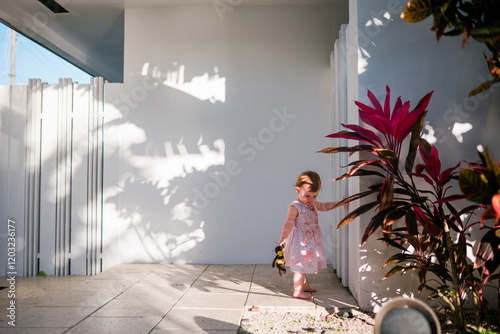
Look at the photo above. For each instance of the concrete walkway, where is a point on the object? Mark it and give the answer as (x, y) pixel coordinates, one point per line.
(159, 298)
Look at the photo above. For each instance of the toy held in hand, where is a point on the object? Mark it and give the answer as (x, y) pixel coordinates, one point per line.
(279, 260)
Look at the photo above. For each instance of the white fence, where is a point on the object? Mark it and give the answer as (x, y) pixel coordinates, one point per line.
(51, 140)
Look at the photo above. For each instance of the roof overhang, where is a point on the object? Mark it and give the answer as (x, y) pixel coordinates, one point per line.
(90, 34)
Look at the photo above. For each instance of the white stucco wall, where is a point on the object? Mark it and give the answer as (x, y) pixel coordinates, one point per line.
(218, 114)
(408, 58)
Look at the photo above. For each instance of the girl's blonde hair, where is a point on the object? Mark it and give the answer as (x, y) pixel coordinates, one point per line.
(310, 178)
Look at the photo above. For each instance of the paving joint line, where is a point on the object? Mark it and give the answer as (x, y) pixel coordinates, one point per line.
(204, 270)
(109, 301)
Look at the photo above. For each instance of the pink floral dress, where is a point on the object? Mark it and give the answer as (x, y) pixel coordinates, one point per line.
(304, 247)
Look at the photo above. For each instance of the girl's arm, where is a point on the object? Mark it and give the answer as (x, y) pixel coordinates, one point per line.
(289, 224)
(326, 206)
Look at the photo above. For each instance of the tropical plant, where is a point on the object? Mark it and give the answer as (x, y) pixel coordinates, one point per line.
(480, 183)
(473, 18)
(412, 202)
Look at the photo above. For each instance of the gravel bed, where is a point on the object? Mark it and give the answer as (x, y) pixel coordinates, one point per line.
(265, 321)
(292, 322)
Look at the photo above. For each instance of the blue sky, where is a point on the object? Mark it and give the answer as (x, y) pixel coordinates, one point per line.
(34, 61)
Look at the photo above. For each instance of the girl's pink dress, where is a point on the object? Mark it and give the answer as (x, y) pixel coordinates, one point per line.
(304, 248)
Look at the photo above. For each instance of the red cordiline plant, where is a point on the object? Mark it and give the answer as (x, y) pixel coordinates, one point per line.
(419, 195)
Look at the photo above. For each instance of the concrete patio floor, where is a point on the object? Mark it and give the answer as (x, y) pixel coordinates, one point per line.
(160, 298)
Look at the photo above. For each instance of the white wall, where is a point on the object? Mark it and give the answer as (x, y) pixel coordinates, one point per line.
(218, 114)
(408, 58)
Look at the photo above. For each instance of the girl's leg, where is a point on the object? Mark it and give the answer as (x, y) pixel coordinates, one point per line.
(307, 288)
(299, 281)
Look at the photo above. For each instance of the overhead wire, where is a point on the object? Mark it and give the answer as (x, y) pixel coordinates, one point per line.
(6, 51)
(35, 61)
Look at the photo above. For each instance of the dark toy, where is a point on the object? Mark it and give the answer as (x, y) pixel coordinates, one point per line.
(279, 260)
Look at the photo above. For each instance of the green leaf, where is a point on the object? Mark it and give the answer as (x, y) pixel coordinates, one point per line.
(386, 216)
(350, 149)
(411, 223)
(389, 156)
(356, 213)
(492, 166)
(418, 199)
(482, 87)
(417, 11)
(425, 148)
(401, 257)
(359, 172)
(361, 195)
(399, 268)
(413, 240)
(440, 24)
(362, 163)
(414, 141)
(387, 195)
(396, 214)
(355, 197)
(474, 186)
(486, 32)
(490, 278)
(489, 245)
(393, 243)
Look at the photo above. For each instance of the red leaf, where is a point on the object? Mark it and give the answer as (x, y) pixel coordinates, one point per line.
(397, 106)
(366, 109)
(376, 121)
(387, 105)
(424, 102)
(444, 177)
(434, 164)
(375, 103)
(422, 218)
(487, 249)
(403, 122)
(364, 132)
(352, 136)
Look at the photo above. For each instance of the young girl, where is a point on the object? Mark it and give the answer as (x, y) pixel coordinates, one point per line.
(301, 236)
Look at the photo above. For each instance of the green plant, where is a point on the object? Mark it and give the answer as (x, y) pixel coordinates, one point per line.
(480, 183)
(413, 202)
(472, 18)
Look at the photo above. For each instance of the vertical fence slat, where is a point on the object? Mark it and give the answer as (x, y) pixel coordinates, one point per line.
(27, 182)
(90, 179)
(79, 171)
(94, 229)
(37, 189)
(48, 235)
(50, 164)
(58, 180)
(339, 109)
(32, 179)
(100, 137)
(69, 168)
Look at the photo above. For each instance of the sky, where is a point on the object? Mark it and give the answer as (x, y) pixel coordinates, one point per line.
(33, 61)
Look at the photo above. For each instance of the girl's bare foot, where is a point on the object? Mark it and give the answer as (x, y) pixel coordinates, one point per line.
(309, 289)
(302, 295)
